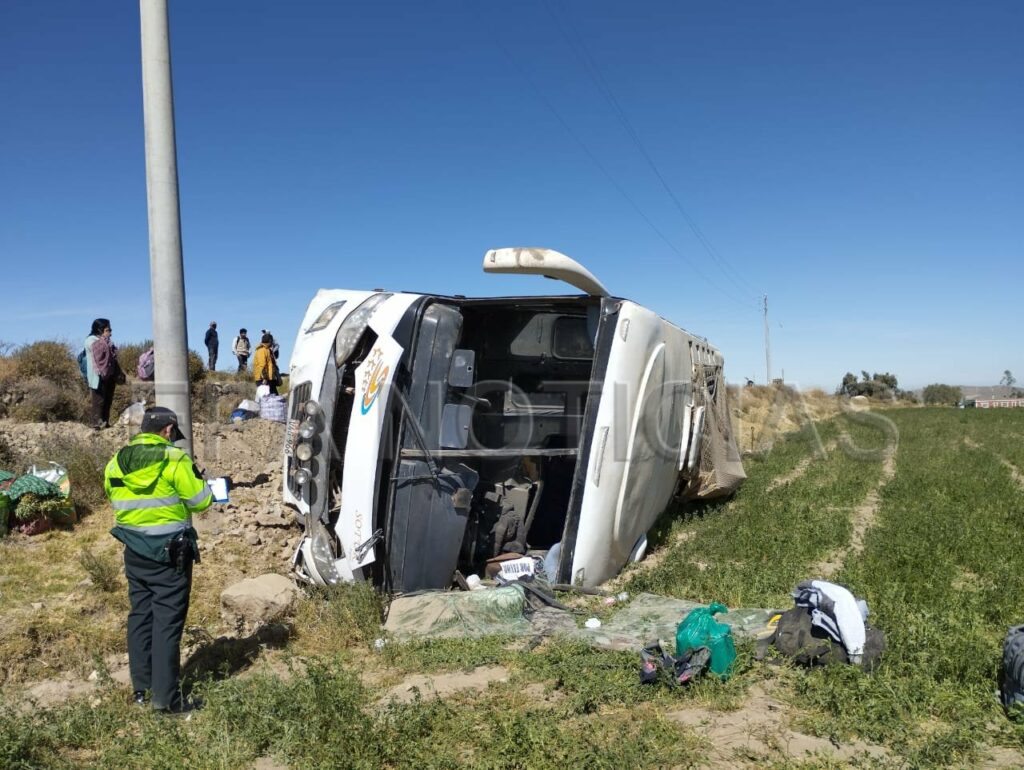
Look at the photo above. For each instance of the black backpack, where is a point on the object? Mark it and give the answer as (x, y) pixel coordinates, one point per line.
(808, 645)
(1012, 687)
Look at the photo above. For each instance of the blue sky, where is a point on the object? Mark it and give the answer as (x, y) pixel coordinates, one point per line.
(861, 164)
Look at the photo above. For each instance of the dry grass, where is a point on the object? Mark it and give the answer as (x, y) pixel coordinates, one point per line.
(8, 369)
(52, 621)
(337, 617)
(50, 359)
(41, 382)
(761, 414)
(78, 620)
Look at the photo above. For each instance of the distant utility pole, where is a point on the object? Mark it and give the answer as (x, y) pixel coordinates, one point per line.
(166, 271)
(767, 346)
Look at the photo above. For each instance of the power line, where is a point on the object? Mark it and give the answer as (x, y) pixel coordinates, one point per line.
(590, 66)
(596, 161)
(767, 347)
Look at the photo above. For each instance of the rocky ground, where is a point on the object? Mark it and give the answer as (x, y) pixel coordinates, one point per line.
(248, 453)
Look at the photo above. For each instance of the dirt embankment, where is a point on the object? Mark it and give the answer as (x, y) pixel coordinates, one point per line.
(762, 414)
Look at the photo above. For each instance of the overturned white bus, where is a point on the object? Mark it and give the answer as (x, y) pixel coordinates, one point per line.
(428, 434)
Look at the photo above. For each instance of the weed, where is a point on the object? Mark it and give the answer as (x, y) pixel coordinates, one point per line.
(101, 568)
(939, 568)
(333, 618)
(326, 719)
(448, 654)
(84, 460)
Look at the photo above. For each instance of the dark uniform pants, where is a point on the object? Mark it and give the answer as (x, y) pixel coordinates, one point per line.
(159, 596)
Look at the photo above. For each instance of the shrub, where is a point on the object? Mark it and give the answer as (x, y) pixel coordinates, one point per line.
(8, 457)
(49, 359)
(196, 368)
(42, 400)
(8, 370)
(84, 462)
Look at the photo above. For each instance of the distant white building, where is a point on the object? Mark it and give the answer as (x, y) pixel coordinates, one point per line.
(996, 403)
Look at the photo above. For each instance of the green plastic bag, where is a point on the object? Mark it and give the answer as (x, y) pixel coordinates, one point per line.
(700, 629)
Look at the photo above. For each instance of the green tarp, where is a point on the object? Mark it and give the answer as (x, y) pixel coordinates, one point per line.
(503, 611)
(447, 614)
(649, 616)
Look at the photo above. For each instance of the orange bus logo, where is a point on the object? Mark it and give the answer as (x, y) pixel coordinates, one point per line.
(374, 377)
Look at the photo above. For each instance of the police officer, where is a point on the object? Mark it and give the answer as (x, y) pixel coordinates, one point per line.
(155, 488)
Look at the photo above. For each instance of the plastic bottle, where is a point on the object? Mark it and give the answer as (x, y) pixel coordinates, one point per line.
(551, 561)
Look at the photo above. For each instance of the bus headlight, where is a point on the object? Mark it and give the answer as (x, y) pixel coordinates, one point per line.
(352, 328)
(326, 316)
(304, 452)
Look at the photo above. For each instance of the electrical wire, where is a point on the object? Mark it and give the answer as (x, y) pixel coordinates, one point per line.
(590, 66)
(611, 179)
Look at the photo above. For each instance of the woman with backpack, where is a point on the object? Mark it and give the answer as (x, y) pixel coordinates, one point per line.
(102, 372)
(264, 365)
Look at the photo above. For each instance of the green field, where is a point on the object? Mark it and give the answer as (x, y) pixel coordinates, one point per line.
(931, 538)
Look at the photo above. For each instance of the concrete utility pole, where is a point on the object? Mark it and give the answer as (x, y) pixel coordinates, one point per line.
(767, 348)
(167, 273)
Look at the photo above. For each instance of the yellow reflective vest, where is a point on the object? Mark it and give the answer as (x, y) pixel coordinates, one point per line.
(154, 487)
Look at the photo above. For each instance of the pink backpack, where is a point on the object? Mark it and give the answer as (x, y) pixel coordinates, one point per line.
(146, 366)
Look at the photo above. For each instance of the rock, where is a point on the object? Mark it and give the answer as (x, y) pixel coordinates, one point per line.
(252, 538)
(259, 600)
(270, 520)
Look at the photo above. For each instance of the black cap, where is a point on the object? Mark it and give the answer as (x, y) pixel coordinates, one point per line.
(157, 418)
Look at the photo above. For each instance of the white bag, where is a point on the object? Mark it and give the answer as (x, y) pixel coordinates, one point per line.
(261, 391)
(251, 406)
(132, 416)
